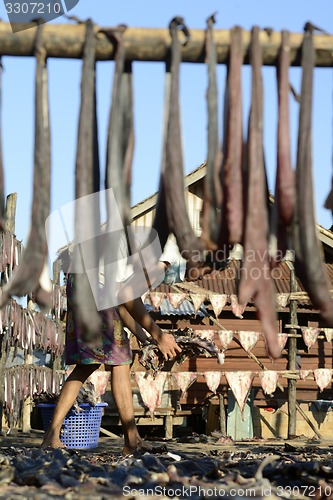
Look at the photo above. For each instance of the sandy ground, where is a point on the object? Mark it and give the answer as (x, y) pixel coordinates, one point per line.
(110, 445)
(302, 469)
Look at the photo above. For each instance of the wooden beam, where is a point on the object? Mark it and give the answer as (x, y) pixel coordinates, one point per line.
(152, 44)
(108, 433)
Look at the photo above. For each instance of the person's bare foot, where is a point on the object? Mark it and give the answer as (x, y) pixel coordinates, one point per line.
(133, 442)
(52, 440)
(129, 450)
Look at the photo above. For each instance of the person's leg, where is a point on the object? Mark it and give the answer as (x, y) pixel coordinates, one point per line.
(66, 400)
(122, 395)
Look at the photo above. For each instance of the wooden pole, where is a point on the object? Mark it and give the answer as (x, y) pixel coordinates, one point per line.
(152, 44)
(11, 212)
(292, 352)
(223, 424)
(308, 421)
(27, 403)
(108, 433)
(56, 359)
(56, 272)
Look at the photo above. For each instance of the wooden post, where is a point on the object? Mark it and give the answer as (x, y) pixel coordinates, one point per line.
(11, 212)
(153, 44)
(56, 359)
(56, 272)
(292, 352)
(27, 403)
(223, 425)
(168, 426)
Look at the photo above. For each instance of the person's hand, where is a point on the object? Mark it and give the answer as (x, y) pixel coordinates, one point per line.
(166, 344)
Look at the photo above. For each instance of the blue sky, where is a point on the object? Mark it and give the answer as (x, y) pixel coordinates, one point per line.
(64, 77)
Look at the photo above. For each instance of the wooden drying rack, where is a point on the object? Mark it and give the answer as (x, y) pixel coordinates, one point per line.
(152, 44)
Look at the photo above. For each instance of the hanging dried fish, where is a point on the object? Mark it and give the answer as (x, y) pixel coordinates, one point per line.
(172, 169)
(151, 389)
(232, 168)
(212, 186)
(118, 172)
(255, 280)
(26, 277)
(308, 264)
(284, 203)
(120, 145)
(160, 223)
(184, 380)
(213, 379)
(285, 178)
(87, 182)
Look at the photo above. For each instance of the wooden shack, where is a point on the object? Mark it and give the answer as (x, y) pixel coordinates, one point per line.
(269, 413)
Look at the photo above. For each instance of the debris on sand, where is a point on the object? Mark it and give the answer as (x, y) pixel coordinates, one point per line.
(259, 471)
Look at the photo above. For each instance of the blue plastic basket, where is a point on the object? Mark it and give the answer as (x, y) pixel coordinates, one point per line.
(79, 430)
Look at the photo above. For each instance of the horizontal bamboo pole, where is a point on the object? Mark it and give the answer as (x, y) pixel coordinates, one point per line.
(152, 44)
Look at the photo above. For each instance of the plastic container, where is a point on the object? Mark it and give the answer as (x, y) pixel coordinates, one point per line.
(79, 430)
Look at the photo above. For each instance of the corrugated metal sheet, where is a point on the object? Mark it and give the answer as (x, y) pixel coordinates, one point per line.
(224, 281)
(185, 309)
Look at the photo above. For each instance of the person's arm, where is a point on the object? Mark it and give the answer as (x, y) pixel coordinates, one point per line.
(165, 342)
(132, 325)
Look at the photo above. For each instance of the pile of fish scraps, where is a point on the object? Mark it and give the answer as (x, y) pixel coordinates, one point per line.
(257, 471)
(87, 395)
(191, 343)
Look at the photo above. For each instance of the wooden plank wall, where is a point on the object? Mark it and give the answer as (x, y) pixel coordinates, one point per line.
(320, 356)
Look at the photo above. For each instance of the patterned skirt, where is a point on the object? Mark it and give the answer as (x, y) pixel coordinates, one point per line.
(114, 348)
